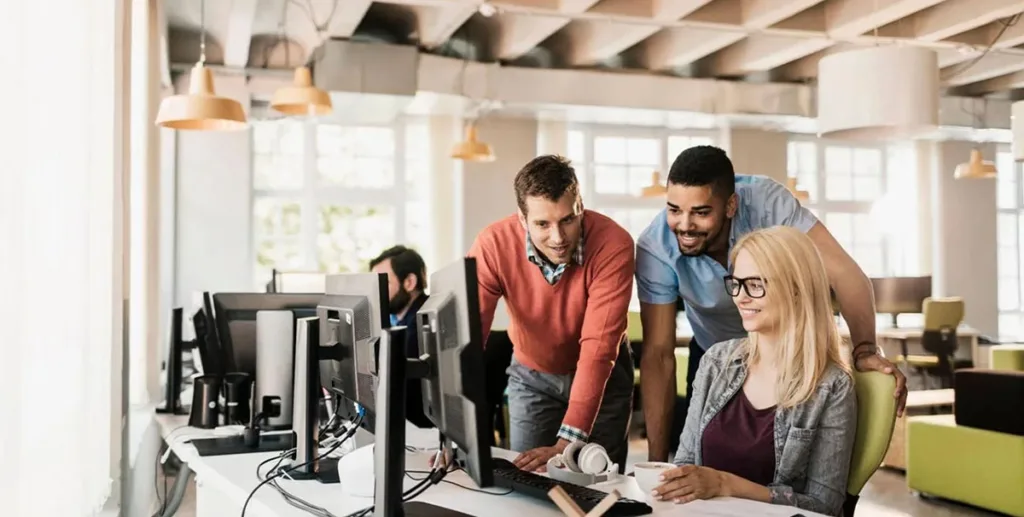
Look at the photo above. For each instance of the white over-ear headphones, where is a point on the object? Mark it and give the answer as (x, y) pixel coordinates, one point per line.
(582, 464)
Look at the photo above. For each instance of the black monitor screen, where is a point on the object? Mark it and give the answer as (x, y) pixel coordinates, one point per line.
(235, 315)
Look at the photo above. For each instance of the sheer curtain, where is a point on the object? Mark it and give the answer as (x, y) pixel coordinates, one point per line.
(61, 245)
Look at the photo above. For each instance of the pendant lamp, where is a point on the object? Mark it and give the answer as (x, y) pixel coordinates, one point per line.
(201, 109)
(471, 149)
(878, 93)
(302, 98)
(656, 188)
(801, 195)
(976, 168)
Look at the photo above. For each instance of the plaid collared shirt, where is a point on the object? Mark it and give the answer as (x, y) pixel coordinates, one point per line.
(552, 272)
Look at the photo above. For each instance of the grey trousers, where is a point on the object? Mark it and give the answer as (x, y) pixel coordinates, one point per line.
(537, 403)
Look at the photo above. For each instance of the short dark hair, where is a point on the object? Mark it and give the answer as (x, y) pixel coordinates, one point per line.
(701, 166)
(549, 176)
(404, 262)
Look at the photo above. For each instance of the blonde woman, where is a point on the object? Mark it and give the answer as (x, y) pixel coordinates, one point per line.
(772, 416)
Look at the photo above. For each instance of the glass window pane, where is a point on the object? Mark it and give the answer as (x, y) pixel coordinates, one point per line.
(701, 140)
(643, 151)
(281, 254)
(277, 172)
(838, 186)
(867, 188)
(871, 259)
(419, 233)
(639, 220)
(609, 179)
(676, 144)
(1009, 295)
(610, 149)
(374, 141)
(640, 177)
(837, 161)
(275, 217)
(1007, 263)
(350, 236)
(1009, 326)
(332, 140)
(841, 227)
(576, 147)
(1006, 181)
(867, 162)
(1006, 230)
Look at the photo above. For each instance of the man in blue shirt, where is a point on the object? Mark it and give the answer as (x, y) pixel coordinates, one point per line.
(407, 281)
(684, 254)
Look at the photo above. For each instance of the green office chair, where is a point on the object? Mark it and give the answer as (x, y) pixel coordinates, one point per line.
(876, 417)
(942, 316)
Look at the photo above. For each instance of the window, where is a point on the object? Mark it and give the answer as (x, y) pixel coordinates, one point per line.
(329, 198)
(614, 164)
(866, 196)
(1009, 236)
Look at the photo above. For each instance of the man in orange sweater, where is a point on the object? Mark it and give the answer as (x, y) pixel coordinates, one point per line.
(567, 277)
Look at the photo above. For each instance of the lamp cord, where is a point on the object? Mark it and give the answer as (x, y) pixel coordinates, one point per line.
(202, 32)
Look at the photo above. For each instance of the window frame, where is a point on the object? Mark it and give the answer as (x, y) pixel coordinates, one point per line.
(822, 206)
(1017, 213)
(313, 195)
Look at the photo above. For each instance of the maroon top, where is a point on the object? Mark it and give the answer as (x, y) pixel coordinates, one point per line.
(740, 440)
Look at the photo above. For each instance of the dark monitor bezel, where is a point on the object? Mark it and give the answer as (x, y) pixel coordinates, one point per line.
(227, 304)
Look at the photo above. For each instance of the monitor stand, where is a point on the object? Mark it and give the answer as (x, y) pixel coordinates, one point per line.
(389, 449)
(894, 318)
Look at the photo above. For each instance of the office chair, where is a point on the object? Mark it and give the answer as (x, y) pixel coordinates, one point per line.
(942, 316)
(876, 417)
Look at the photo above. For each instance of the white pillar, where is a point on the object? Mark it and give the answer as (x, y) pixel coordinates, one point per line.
(444, 132)
(964, 262)
(755, 151)
(214, 250)
(553, 138)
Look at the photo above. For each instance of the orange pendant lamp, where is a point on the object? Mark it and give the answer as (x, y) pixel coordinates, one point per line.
(656, 188)
(302, 98)
(471, 149)
(201, 109)
(975, 168)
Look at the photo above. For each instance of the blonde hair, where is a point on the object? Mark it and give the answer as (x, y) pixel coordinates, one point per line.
(797, 285)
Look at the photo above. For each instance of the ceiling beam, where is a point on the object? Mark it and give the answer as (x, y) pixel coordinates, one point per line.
(850, 18)
(989, 66)
(759, 14)
(996, 84)
(680, 46)
(437, 24)
(951, 18)
(594, 40)
(346, 17)
(760, 52)
(239, 32)
(522, 32)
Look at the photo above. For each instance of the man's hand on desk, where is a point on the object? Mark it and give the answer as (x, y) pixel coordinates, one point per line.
(536, 460)
(874, 362)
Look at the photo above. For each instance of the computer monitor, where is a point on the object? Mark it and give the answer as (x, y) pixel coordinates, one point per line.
(352, 314)
(451, 343)
(451, 367)
(235, 316)
(901, 295)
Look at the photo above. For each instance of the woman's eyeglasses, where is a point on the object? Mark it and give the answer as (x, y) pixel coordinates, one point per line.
(753, 285)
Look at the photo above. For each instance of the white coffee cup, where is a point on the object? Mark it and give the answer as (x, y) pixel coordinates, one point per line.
(648, 474)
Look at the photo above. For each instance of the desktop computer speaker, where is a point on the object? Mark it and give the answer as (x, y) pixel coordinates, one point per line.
(205, 411)
(275, 356)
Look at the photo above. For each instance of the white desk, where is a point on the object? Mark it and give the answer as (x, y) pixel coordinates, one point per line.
(224, 482)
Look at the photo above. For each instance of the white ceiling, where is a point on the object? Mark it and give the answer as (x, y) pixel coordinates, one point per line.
(979, 42)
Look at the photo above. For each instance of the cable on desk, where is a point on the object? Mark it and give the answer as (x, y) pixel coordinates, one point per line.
(435, 476)
(460, 485)
(271, 477)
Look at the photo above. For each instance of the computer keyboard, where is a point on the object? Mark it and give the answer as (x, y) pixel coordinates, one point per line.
(507, 475)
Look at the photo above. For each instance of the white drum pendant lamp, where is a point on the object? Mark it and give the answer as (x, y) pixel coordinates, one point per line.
(878, 93)
(1017, 128)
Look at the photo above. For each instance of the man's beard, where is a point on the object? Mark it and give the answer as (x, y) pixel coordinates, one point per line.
(400, 301)
(700, 249)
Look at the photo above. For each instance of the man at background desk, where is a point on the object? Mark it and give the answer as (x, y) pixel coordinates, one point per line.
(684, 254)
(567, 276)
(407, 281)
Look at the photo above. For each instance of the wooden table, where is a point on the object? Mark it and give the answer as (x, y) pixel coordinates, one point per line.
(919, 402)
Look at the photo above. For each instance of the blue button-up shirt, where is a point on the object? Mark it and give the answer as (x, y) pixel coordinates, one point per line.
(664, 274)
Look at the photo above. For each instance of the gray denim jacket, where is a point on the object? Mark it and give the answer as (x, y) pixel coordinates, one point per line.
(813, 441)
